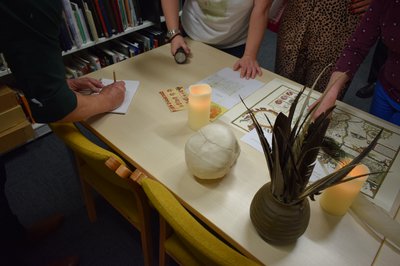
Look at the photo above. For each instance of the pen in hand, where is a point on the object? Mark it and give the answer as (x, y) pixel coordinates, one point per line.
(115, 78)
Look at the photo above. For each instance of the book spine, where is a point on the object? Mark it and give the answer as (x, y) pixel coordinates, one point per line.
(91, 23)
(100, 14)
(117, 15)
(105, 17)
(72, 23)
(110, 15)
(128, 13)
(78, 21)
(122, 12)
(92, 8)
(84, 26)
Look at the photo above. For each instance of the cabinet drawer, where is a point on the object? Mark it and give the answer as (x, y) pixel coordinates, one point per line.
(11, 117)
(16, 136)
(8, 98)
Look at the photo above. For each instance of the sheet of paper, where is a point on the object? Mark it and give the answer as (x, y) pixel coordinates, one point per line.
(227, 86)
(175, 98)
(253, 140)
(131, 88)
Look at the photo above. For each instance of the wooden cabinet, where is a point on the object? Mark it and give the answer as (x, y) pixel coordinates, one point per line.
(15, 129)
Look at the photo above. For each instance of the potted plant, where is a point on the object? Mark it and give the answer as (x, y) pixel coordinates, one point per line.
(280, 210)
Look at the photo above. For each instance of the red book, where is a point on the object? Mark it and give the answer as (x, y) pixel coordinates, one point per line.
(117, 15)
(103, 24)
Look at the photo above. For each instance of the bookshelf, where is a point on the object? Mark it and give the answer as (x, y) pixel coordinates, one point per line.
(150, 16)
(89, 44)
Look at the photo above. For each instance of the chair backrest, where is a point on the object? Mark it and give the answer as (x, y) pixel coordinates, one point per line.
(92, 154)
(206, 247)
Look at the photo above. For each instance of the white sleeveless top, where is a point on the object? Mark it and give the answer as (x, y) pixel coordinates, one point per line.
(221, 23)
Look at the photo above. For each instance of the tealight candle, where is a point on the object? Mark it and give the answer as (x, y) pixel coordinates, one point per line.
(337, 199)
(199, 105)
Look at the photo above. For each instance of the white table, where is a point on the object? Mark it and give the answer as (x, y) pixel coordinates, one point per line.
(152, 138)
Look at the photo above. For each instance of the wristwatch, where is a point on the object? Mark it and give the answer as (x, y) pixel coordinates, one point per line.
(172, 33)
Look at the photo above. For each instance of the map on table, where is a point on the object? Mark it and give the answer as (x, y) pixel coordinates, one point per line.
(351, 130)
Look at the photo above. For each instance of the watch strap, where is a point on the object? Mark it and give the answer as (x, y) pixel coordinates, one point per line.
(172, 33)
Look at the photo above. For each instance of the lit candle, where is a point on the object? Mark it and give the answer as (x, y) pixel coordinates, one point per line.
(199, 105)
(337, 199)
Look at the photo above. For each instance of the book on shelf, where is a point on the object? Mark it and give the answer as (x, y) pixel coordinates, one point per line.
(158, 34)
(121, 47)
(128, 13)
(134, 48)
(80, 23)
(103, 57)
(99, 13)
(93, 59)
(109, 13)
(132, 12)
(86, 65)
(90, 4)
(121, 56)
(117, 15)
(66, 42)
(114, 58)
(138, 12)
(124, 19)
(144, 41)
(149, 40)
(84, 18)
(72, 24)
(92, 26)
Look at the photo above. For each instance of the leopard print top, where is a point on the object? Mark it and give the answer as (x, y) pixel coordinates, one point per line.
(311, 36)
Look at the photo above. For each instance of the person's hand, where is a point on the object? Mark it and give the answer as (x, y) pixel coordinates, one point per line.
(114, 93)
(248, 67)
(324, 104)
(177, 42)
(85, 84)
(359, 6)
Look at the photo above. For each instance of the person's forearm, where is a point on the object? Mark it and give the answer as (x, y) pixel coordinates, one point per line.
(337, 82)
(257, 27)
(171, 13)
(87, 106)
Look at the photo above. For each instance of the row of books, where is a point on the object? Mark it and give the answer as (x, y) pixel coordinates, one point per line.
(112, 52)
(89, 20)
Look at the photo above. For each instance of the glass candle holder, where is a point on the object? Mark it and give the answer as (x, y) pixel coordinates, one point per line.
(336, 200)
(199, 106)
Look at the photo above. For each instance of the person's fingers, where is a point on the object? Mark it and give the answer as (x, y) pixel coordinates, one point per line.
(360, 6)
(259, 71)
(236, 66)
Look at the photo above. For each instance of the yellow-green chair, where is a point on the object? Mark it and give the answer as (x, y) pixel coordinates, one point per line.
(189, 243)
(125, 195)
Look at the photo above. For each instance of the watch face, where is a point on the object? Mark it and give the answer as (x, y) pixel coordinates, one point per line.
(180, 57)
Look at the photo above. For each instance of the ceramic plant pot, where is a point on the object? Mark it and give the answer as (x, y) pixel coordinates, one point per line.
(276, 222)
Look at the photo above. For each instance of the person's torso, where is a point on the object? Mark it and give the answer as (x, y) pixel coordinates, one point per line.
(222, 23)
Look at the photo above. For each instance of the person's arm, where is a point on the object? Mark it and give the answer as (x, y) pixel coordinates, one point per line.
(108, 99)
(171, 13)
(85, 83)
(248, 64)
(356, 49)
(359, 6)
(336, 83)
